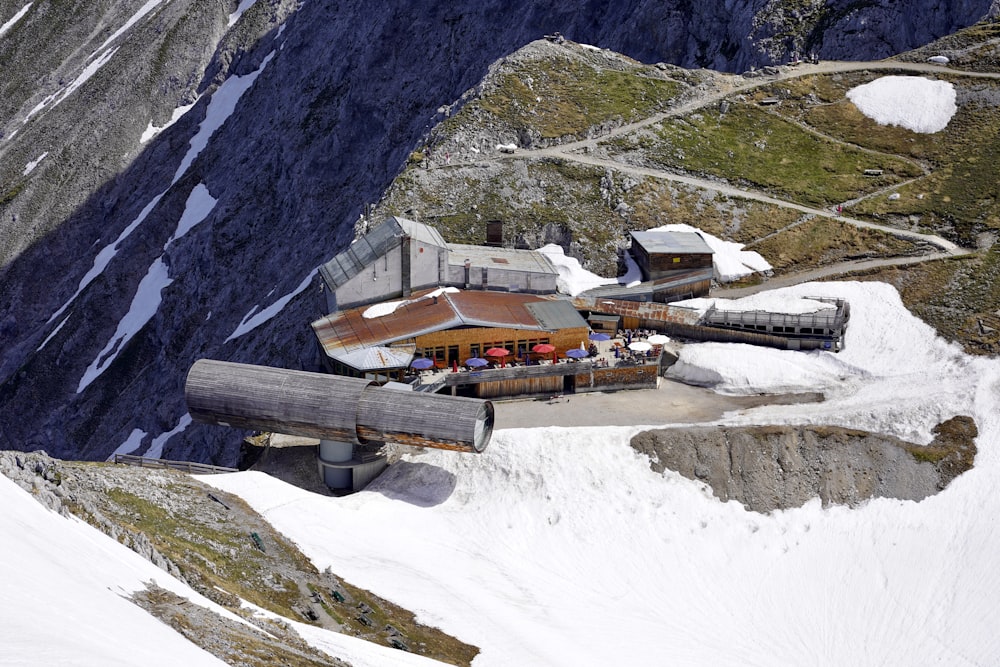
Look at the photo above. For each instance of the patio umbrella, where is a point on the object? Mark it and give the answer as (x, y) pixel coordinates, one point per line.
(658, 339)
(576, 353)
(476, 362)
(498, 352)
(543, 348)
(454, 365)
(422, 363)
(599, 336)
(640, 346)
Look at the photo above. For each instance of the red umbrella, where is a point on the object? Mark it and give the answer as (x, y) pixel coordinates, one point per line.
(454, 365)
(498, 352)
(543, 348)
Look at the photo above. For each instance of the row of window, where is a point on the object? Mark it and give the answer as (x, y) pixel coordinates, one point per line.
(450, 353)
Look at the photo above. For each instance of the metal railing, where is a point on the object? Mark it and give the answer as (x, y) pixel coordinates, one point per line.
(186, 466)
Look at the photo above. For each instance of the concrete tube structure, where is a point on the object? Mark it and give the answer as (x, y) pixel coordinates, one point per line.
(333, 408)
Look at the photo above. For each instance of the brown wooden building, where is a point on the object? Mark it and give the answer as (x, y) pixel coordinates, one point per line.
(448, 327)
(663, 254)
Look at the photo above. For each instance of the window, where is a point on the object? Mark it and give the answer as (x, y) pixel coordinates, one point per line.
(474, 350)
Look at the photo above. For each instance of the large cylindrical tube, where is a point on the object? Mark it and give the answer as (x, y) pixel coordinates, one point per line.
(424, 420)
(277, 400)
(333, 407)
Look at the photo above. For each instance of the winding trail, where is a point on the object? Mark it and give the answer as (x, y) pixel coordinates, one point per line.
(583, 152)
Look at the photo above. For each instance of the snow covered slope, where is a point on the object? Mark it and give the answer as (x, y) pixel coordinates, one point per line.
(65, 601)
(561, 547)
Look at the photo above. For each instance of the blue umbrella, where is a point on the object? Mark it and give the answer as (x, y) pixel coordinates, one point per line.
(422, 362)
(477, 362)
(599, 336)
(577, 353)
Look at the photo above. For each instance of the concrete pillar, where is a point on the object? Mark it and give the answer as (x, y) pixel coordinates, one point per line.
(332, 451)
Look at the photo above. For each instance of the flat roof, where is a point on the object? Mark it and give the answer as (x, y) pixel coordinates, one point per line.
(673, 243)
(529, 261)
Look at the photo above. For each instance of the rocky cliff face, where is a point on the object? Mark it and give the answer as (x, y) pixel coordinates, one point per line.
(779, 467)
(127, 253)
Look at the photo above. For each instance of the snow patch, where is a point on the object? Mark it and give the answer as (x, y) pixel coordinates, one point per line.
(51, 335)
(235, 16)
(108, 253)
(73, 589)
(251, 321)
(152, 130)
(132, 443)
(148, 296)
(90, 70)
(135, 18)
(220, 107)
(14, 19)
(155, 450)
(730, 260)
(912, 102)
(389, 307)
(30, 167)
(144, 305)
(573, 278)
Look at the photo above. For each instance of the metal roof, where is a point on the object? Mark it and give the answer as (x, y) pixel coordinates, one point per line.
(420, 232)
(376, 243)
(506, 258)
(344, 332)
(553, 315)
(673, 243)
(379, 358)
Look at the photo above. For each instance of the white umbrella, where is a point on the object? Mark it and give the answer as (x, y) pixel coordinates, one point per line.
(640, 346)
(658, 339)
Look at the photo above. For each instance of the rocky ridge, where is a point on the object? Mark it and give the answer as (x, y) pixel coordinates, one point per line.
(767, 468)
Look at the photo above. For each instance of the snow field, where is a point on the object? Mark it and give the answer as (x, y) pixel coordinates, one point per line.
(65, 596)
(561, 547)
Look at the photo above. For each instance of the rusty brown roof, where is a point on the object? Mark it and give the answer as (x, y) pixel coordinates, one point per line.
(422, 314)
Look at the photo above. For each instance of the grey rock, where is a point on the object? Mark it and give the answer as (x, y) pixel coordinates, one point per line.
(778, 467)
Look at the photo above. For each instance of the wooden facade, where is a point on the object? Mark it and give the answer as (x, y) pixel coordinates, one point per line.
(460, 344)
(549, 379)
(661, 254)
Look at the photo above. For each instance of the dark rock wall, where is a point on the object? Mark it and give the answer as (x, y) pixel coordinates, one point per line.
(350, 89)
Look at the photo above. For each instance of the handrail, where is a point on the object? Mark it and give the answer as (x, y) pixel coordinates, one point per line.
(187, 466)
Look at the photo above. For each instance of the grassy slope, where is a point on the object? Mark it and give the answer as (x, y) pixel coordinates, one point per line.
(812, 147)
(214, 550)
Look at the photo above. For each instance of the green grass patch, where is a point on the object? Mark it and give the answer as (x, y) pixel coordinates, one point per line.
(567, 96)
(748, 145)
(820, 242)
(960, 198)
